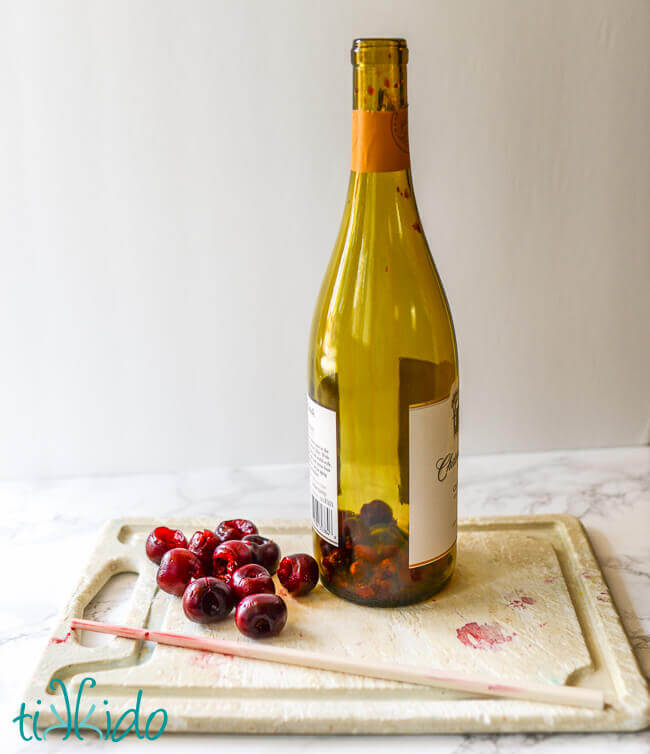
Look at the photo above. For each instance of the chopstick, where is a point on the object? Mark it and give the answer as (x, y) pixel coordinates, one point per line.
(423, 676)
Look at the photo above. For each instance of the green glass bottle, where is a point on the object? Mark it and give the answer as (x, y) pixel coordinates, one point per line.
(383, 369)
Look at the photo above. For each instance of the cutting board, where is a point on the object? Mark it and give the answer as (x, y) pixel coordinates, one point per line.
(527, 602)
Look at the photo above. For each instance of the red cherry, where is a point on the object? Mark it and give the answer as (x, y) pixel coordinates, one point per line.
(354, 531)
(298, 573)
(177, 568)
(236, 528)
(207, 600)
(229, 556)
(376, 512)
(266, 551)
(336, 560)
(203, 544)
(251, 579)
(325, 547)
(261, 615)
(161, 540)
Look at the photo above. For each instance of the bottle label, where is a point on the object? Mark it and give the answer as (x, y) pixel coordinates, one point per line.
(323, 472)
(433, 478)
(380, 141)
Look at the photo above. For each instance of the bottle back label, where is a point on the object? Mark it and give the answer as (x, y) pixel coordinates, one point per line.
(432, 475)
(433, 478)
(323, 475)
(380, 141)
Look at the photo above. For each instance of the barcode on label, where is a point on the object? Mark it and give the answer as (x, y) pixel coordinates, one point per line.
(323, 520)
(323, 476)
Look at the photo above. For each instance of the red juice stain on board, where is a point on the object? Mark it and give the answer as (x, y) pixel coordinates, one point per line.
(54, 639)
(417, 226)
(484, 636)
(522, 603)
(371, 90)
(202, 659)
(518, 600)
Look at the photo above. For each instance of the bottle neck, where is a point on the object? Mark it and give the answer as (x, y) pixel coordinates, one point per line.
(379, 88)
(380, 201)
(380, 118)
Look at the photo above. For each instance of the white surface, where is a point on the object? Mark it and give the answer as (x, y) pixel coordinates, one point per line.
(56, 523)
(172, 182)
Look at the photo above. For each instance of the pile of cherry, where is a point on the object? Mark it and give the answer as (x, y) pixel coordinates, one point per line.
(230, 566)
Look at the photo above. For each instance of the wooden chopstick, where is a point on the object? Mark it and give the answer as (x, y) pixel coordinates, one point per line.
(445, 679)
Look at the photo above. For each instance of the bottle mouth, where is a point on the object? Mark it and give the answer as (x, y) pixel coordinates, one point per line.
(379, 51)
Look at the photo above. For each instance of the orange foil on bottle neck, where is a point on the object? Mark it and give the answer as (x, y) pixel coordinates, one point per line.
(380, 141)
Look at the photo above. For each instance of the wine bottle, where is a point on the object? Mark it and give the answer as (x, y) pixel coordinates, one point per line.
(382, 369)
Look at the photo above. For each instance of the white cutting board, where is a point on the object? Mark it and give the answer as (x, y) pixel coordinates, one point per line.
(527, 602)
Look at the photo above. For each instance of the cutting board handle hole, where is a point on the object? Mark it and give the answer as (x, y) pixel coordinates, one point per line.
(109, 605)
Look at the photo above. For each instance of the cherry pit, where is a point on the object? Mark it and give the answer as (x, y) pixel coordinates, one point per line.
(230, 567)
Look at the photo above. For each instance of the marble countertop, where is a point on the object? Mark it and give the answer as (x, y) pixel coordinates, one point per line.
(49, 527)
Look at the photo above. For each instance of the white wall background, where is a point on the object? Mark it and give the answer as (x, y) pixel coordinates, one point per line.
(172, 176)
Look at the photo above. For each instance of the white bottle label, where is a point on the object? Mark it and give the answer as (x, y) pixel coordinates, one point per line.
(323, 474)
(433, 478)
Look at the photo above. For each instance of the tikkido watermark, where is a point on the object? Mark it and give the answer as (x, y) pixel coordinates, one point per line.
(70, 724)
